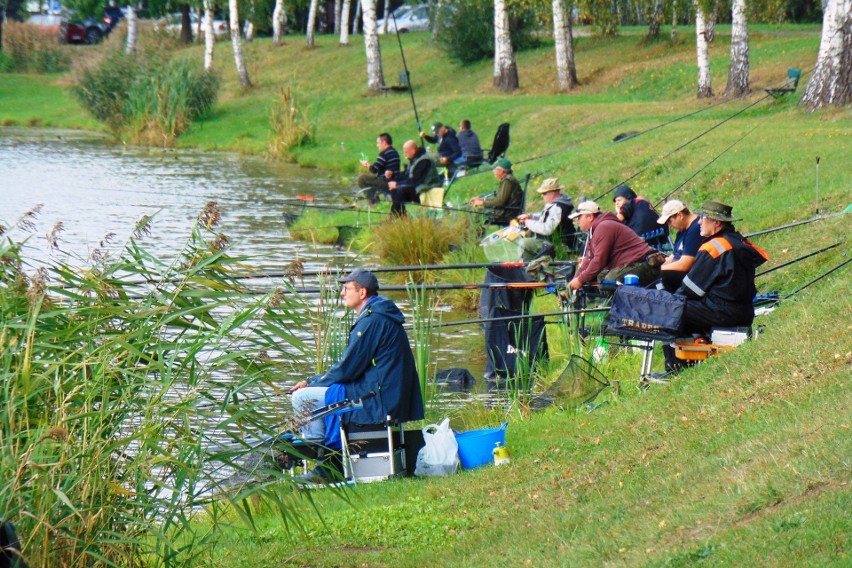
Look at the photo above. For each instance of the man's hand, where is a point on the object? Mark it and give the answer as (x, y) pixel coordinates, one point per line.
(523, 217)
(392, 185)
(299, 385)
(478, 201)
(422, 135)
(388, 174)
(575, 284)
(365, 163)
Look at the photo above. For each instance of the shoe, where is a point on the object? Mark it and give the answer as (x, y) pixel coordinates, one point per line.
(329, 470)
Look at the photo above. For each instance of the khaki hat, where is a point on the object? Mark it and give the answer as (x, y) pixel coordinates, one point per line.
(550, 184)
(670, 208)
(717, 211)
(585, 208)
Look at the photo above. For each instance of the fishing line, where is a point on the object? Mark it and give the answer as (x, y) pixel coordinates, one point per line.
(817, 279)
(791, 225)
(681, 147)
(795, 260)
(631, 135)
(410, 84)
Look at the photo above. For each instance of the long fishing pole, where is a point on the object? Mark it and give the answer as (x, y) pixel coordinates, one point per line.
(437, 287)
(520, 316)
(795, 260)
(420, 267)
(408, 76)
(817, 279)
(681, 147)
(791, 225)
(632, 135)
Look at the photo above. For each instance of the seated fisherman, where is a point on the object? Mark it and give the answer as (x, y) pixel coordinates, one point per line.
(612, 250)
(382, 170)
(507, 201)
(469, 144)
(719, 287)
(377, 359)
(419, 175)
(448, 144)
(557, 208)
(637, 213)
(677, 216)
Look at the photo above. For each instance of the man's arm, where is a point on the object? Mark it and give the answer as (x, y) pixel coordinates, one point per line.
(501, 196)
(354, 362)
(552, 219)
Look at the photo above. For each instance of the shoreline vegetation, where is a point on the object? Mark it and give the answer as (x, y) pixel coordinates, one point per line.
(743, 459)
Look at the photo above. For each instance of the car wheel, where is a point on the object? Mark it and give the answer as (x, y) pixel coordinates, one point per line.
(93, 36)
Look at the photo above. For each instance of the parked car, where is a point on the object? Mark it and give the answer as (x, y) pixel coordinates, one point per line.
(172, 23)
(411, 19)
(69, 29)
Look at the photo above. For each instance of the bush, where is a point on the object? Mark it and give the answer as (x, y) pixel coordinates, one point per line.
(32, 50)
(291, 125)
(154, 98)
(418, 240)
(467, 30)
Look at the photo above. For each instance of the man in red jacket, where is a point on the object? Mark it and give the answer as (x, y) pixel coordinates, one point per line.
(612, 249)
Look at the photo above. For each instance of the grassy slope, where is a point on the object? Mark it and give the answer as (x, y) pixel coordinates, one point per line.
(745, 459)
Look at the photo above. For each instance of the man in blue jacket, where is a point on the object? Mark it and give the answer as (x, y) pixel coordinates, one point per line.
(378, 360)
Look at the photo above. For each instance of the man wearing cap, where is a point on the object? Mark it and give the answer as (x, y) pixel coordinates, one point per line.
(382, 170)
(677, 216)
(419, 175)
(377, 359)
(612, 249)
(507, 201)
(637, 213)
(448, 144)
(557, 208)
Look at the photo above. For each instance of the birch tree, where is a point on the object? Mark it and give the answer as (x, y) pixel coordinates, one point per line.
(237, 43)
(209, 38)
(312, 24)
(505, 68)
(704, 85)
(357, 17)
(132, 41)
(655, 19)
(375, 77)
(387, 18)
(738, 70)
(831, 83)
(336, 17)
(711, 15)
(563, 36)
(344, 22)
(278, 16)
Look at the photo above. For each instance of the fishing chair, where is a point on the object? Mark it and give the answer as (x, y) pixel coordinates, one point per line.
(500, 144)
(790, 85)
(373, 452)
(514, 211)
(655, 239)
(402, 86)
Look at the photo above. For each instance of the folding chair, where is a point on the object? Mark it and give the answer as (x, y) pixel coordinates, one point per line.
(790, 85)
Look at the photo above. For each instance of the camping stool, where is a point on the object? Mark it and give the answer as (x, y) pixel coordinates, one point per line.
(373, 452)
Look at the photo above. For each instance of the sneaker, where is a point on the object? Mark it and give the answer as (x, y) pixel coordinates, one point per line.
(329, 469)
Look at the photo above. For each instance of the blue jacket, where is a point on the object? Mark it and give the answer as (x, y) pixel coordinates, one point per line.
(378, 358)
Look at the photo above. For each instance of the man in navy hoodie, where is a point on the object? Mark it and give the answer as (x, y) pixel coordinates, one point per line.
(378, 360)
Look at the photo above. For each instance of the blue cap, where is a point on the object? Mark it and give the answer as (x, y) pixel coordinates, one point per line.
(363, 278)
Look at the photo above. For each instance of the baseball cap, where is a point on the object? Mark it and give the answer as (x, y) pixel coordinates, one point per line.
(363, 278)
(585, 208)
(670, 208)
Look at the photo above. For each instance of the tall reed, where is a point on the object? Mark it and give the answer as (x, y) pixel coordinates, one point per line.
(292, 126)
(121, 401)
(423, 304)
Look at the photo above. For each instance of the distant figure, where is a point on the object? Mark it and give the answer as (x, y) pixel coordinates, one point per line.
(448, 144)
(637, 213)
(419, 175)
(612, 250)
(507, 202)
(470, 148)
(677, 216)
(381, 171)
(557, 208)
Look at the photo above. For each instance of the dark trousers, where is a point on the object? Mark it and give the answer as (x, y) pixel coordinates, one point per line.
(402, 195)
(373, 185)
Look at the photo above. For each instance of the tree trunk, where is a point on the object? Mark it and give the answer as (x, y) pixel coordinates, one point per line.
(673, 34)
(710, 22)
(209, 36)
(357, 17)
(336, 17)
(249, 31)
(655, 20)
(738, 71)
(237, 43)
(563, 36)
(375, 77)
(505, 68)
(185, 25)
(278, 23)
(312, 24)
(704, 85)
(386, 21)
(437, 18)
(132, 31)
(344, 22)
(831, 83)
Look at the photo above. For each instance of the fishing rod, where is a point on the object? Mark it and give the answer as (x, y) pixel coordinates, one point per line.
(408, 76)
(817, 279)
(795, 260)
(631, 135)
(438, 287)
(520, 316)
(704, 167)
(416, 267)
(791, 225)
(681, 147)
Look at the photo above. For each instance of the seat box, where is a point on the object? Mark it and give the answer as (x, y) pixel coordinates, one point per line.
(734, 336)
(368, 467)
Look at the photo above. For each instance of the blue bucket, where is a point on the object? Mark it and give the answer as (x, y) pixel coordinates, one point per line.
(476, 446)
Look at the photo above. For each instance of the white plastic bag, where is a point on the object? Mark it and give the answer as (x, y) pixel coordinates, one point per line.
(440, 455)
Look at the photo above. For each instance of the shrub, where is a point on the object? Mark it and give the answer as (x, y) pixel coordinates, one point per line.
(291, 125)
(467, 30)
(417, 240)
(33, 50)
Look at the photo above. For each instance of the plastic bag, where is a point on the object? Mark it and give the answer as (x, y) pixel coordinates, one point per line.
(440, 455)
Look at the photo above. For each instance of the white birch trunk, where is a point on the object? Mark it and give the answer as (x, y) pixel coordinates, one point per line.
(705, 88)
(738, 71)
(505, 68)
(674, 20)
(312, 23)
(386, 21)
(132, 31)
(831, 83)
(278, 23)
(336, 17)
(357, 17)
(566, 72)
(344, 22)
(375, 77)
(237, 43)
(249, 32)
(710, 22)
(209, 37)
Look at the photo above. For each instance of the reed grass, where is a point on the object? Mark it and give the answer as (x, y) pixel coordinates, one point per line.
(30, 49)
(291, 124)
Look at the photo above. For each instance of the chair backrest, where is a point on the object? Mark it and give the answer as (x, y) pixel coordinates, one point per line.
(500, 144)
(403, 78)
(793, 76)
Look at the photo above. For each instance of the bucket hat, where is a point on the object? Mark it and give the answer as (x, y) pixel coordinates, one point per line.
(550, 184)
(717, 211)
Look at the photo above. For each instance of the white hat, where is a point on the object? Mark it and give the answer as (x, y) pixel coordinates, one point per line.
(585, 208)
(670, 208)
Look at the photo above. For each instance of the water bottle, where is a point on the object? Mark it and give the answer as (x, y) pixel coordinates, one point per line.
(501, 454)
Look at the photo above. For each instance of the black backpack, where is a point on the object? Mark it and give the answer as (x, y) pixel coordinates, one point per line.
(10, 547)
